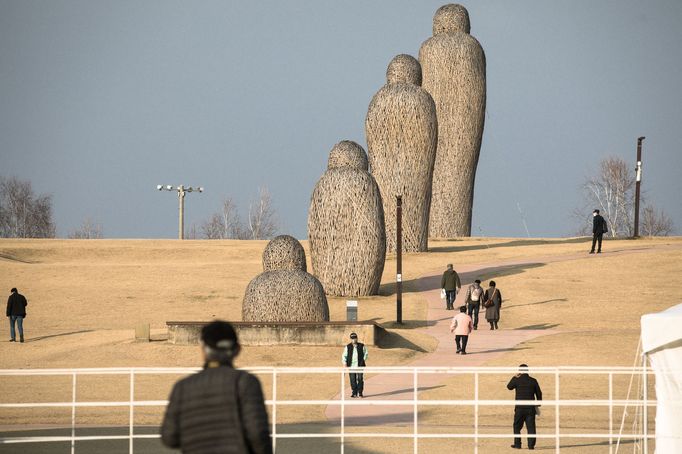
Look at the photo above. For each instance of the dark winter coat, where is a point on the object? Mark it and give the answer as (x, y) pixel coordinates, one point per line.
(218, 410)
(450, 280)
(492, 313)
(599, 225)
(527, 388)
(16, 305)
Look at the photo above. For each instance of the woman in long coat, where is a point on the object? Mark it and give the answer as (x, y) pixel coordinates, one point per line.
(492, 300)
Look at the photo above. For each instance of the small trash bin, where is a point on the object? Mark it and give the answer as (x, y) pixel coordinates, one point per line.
(351, 310)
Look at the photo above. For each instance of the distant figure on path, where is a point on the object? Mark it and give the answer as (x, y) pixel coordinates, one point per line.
(473, 300)
(354, 356)
(527, 388)
(599, 228)
(451, 284)
(220, 409)
(462, 325)
(492, 301)
(16, 311)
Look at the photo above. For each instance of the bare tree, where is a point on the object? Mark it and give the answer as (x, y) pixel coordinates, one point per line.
(656, 222)
(88, 230)
(225, 224)
(263, 222)
(22, 213)
(611, 190)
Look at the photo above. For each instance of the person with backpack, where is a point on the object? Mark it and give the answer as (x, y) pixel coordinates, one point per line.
(599, 228)
(492, 301)
(473, 300)
(220, 409)
(451, 284)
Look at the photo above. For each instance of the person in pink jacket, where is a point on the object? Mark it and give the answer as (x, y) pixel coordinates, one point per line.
(462, 326)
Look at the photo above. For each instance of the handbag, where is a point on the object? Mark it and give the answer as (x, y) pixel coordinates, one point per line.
(489, 302)
(442, 293)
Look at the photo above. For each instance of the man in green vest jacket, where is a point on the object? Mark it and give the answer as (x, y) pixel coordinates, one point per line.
(354, 356)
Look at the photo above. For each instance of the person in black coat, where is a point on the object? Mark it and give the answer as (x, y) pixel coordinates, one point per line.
(598, 230)
(220, 409)
(527, 388)
(16, 311)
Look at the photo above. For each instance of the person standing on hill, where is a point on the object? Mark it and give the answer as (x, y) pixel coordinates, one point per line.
(451, 284)
(354, 356)
(220, 409)
(473, 300)
(16, 311)
(527, 388)
(492, 301)
(462, 325)
(599, 228)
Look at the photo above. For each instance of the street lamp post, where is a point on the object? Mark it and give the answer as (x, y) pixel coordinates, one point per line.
(399, 259)
(182, 190)
(638, 182)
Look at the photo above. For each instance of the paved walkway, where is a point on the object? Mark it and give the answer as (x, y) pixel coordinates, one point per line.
(484, 345)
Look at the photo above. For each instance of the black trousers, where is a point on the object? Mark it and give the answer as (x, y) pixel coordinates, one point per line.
(597, 237)
(463, 339)
(524, 416)
(450, 296)
(356, 383)
(473, 309)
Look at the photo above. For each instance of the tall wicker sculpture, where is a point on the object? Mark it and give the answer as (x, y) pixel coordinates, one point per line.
(346, 225)
(285, 292)
(453, 70)
(401, 131)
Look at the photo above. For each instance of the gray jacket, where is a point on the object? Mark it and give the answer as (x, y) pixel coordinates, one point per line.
(218, 410)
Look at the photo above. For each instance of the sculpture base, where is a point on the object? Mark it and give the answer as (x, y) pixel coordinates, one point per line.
(284, 333)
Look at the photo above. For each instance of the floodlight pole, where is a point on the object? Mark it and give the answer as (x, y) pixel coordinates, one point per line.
(638, 182)
(399, 261)
(182, 190)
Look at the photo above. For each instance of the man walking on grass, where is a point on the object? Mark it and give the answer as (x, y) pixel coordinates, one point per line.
(16, 311)
(354, 356)
(527, 388)
(598, 230)
(451, 284)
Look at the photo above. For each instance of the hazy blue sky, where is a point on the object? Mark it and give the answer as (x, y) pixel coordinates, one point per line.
(102, 100)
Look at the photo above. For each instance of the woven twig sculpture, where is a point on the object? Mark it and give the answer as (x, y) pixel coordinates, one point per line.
(346, 225)
(453, 72)
(401, 131)
(285, 292)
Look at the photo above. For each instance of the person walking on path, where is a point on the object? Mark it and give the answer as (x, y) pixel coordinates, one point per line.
(354, 356)
(462, 326)
(527, 388)
(451, 284)
(220, 409)
(492, 301)
(599, 228)
(16, 311)
(473, 300)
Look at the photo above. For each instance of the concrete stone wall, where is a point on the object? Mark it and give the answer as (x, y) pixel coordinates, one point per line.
(284, 333)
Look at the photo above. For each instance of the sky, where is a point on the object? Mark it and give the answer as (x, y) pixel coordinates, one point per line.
(100, 101)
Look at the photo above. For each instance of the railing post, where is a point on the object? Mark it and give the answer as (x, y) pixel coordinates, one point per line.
(557, 439)
(476, 412)
(132, 399)
(274, 410)
(415, 410)
(343, 410)
(610, 412)
(645, 411)
(73, 413)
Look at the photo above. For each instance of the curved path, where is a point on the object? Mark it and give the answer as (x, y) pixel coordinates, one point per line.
(484, 345)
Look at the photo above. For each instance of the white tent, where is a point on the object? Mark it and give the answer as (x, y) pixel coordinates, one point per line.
(662, 344)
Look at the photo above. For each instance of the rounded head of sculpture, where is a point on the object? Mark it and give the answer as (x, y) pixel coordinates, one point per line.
(451, 18)
(284, 253)
(347, 154)
(404, 69)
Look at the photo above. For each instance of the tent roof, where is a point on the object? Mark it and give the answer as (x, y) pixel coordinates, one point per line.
(661, 328)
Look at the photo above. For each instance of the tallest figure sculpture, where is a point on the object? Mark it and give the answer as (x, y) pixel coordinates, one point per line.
(453, 72)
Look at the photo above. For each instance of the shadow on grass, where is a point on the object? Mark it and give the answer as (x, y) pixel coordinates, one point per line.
(35, 339)
(541, 326)
(537, 302)
(394, 340)
(513, 243)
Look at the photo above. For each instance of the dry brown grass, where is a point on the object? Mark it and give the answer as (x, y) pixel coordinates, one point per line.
(402, 131)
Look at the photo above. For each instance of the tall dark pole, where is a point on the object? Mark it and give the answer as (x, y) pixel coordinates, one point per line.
(638, 183)
(399, 261)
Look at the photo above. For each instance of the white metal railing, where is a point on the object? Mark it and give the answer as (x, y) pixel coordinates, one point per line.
(640, 435)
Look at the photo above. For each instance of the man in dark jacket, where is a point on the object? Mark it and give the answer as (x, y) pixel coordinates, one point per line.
(598, 230)
(220, 409)
(451, 284)
(16, 311)
(527, 388)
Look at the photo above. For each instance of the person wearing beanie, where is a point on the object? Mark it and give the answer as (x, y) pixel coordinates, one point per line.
(354, 356)
(219, 409)
(527, 388)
